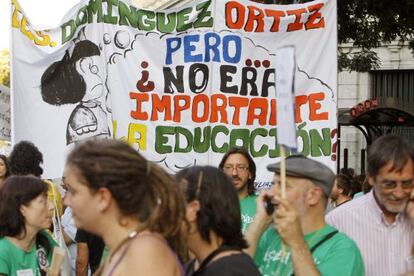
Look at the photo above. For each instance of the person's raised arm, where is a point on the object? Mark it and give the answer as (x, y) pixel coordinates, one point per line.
(288, 225)
(260, 223)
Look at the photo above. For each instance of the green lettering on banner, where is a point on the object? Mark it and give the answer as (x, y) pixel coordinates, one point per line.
(82, 16)
(215, 131)
(273, 153)
(108, 17)
(188, 136)
(160, 139)
(320, 144)
(68, 30)
(127, 15)
(204, 13)
(166, 23)
(94, 7)
(304, 135)
(240, 134)
(202, 146)
(263, 149)
(144, 20)
(182, 17)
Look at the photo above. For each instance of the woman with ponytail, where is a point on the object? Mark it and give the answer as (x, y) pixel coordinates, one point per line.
(131, 203)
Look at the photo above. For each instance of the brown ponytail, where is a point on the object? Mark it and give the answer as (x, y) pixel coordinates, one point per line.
(139, 187)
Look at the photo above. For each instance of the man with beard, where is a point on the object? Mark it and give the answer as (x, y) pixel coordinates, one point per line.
(299, 242)
(378, 221)
(240, 167)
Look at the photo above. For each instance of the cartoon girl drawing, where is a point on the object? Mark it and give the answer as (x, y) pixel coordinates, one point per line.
(79, 79)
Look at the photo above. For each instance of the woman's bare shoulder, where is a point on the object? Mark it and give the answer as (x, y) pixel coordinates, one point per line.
(151, 253)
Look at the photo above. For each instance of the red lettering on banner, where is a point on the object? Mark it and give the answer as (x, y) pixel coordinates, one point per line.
(256, 15)
(237, 103)
(138, 114)
(314, 106)
(216, 109)
(312, 24)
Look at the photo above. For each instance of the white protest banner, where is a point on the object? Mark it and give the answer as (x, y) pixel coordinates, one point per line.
(5, 130)
(182, 85)
(285, 77)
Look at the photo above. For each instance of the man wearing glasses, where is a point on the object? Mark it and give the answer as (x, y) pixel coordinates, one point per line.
(240, 167)
(378, 222)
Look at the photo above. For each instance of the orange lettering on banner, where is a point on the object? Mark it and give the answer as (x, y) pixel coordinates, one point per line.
(239, 11)
(297, 25)
(262, 105)
(206, 108)
(273, 112)
(162, 105)
(255, 15)
(138, 114)
(311, 24)
(255, 19)
(216, 109)
(237, 103)
(300, 100)
(276, 18)
(314, 106)
(178, 107)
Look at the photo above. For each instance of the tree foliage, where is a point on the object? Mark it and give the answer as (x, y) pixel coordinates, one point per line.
(365, 24)
(5, 67)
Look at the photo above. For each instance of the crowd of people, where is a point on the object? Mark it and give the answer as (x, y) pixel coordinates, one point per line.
(117, 213)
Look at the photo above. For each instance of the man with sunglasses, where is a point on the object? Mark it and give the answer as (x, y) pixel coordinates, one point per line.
(378, 221)
(240, 167)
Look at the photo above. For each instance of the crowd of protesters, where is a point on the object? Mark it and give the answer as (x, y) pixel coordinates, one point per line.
(117, 213)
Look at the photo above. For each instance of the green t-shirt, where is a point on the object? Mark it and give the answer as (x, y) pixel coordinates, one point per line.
(337, 256)
(105, 254)
(16, 262)
(248, 211)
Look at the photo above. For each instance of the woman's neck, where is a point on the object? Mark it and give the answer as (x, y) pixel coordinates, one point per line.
(342, 199)
(25, 242)
(201, 248)
(115, 233)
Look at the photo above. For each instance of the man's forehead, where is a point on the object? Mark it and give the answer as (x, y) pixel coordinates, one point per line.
(392, 167)
(236, 158)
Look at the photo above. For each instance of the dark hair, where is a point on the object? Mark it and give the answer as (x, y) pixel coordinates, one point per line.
(348, 171)
(389, 148)
(61, 83)
(350, 185)
(25, 159)
(366, 187)
(6, 164)
(252, 166)
(18, 191)
(219, 204)
(138, 186)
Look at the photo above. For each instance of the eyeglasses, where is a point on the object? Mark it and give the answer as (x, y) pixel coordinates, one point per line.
(237, 167)
(389, 184)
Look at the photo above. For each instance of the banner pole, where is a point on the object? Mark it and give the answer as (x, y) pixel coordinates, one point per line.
(283, 184)
(283, 171)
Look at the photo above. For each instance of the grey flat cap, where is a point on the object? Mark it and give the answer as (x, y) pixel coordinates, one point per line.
(303, 167)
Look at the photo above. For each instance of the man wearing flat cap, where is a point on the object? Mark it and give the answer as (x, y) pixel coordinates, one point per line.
(299, 242)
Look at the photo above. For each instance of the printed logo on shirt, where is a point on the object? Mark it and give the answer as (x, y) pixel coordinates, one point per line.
(42, 258)
(246, 218)
(275, 260)
(246, 221)
(276, 256)
(25, 272)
